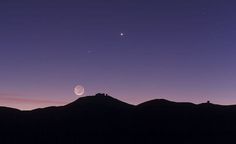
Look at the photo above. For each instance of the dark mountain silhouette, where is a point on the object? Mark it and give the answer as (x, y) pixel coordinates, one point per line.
(8, 110)
(99, 101)
(102, 119)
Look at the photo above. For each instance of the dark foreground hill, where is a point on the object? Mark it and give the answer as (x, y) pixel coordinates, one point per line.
(102, 119)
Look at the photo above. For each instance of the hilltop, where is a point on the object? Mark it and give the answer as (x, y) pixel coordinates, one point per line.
(103, 119)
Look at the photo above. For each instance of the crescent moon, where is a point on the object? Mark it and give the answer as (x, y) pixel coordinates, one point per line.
(79, 90)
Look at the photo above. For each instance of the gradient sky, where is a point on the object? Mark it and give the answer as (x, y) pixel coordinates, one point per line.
(180, 50)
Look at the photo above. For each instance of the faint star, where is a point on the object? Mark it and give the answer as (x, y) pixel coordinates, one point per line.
(122, 34)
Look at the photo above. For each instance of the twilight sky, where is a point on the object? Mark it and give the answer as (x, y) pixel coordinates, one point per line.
(177, 50)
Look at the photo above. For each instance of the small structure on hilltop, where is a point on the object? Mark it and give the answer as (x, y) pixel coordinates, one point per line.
(101, 94)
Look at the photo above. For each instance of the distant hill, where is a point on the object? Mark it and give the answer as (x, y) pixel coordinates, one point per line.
(97, 102)
(101, 119)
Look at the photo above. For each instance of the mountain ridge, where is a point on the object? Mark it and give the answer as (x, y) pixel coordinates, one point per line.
(102, 119)
(102, 99)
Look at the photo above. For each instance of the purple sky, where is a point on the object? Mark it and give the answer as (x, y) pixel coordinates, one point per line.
(177, 50)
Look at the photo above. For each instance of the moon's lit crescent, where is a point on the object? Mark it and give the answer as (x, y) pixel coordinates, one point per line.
(79, 90)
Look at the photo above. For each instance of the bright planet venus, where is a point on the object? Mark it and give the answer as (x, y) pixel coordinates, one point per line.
(79, 90)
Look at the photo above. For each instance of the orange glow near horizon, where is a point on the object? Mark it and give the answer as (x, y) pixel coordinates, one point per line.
(27, 103)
